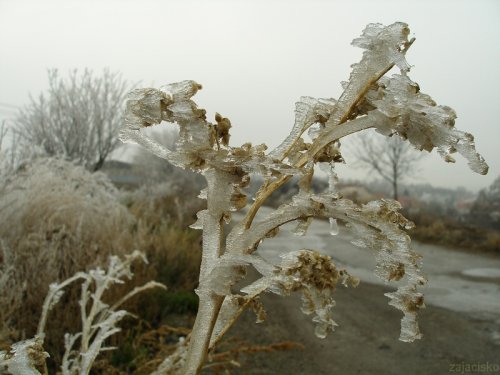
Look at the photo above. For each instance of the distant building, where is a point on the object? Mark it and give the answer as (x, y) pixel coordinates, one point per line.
(122, 174)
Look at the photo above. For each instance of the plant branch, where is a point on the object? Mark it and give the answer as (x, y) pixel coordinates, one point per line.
(332, 135)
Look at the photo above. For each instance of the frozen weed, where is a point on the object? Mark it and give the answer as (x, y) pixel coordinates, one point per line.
(391, 104)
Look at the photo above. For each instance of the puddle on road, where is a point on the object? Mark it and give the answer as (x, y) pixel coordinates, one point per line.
(486, 273)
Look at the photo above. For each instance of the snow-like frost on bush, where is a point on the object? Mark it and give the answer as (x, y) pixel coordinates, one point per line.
(392, 105)
(56, 218)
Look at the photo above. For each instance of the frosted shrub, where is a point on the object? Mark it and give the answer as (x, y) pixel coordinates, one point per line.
(392, 104)
(56, 219)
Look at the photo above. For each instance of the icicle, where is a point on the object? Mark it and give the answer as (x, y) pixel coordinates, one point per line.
(334, 227)
(329, 168)
(302, 226)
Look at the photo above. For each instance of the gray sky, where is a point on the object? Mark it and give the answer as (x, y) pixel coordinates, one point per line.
(256, 58)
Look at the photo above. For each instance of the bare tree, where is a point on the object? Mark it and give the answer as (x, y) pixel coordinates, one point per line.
(78, 118)
(392, 159)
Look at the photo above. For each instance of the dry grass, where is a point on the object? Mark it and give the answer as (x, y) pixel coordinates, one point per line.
(174, 254)
(55, 219)
(233, 352)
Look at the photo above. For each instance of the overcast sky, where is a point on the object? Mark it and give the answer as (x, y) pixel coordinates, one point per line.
(256, 58)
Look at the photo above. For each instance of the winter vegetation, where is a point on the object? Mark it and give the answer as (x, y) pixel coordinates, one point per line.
(393, 105)
(77, 119)
(451, 217)
(58, 211)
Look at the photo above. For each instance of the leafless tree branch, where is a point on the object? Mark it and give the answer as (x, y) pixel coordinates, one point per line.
(393, 160)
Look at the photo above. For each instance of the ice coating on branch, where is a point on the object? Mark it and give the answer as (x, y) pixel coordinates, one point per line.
(384, 46)
(228, 311)
(329, 169)
(201, 144)
(334, 226)
(385, 42)
(302, 226)
(417, 118)
(24, 358)
(308, 111)
(377, 225)
(395, 258)
(312, 274)
(146, 107)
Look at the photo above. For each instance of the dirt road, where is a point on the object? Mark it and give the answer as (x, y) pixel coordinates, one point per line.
(367, 340)
(461, 323)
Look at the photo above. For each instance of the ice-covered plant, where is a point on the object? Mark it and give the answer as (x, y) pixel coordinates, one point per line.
(99, 319)
(392, 104)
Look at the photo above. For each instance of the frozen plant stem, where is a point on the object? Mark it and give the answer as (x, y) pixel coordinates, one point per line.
(393, 105)
(210, 303)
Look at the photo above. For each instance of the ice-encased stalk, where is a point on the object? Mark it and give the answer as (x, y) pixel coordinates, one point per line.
(209, 302)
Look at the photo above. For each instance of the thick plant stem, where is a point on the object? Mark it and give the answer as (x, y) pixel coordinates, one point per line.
(202, 332)
(210, 303)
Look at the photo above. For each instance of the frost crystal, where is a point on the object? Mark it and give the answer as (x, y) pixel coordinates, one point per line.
(392, 105)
